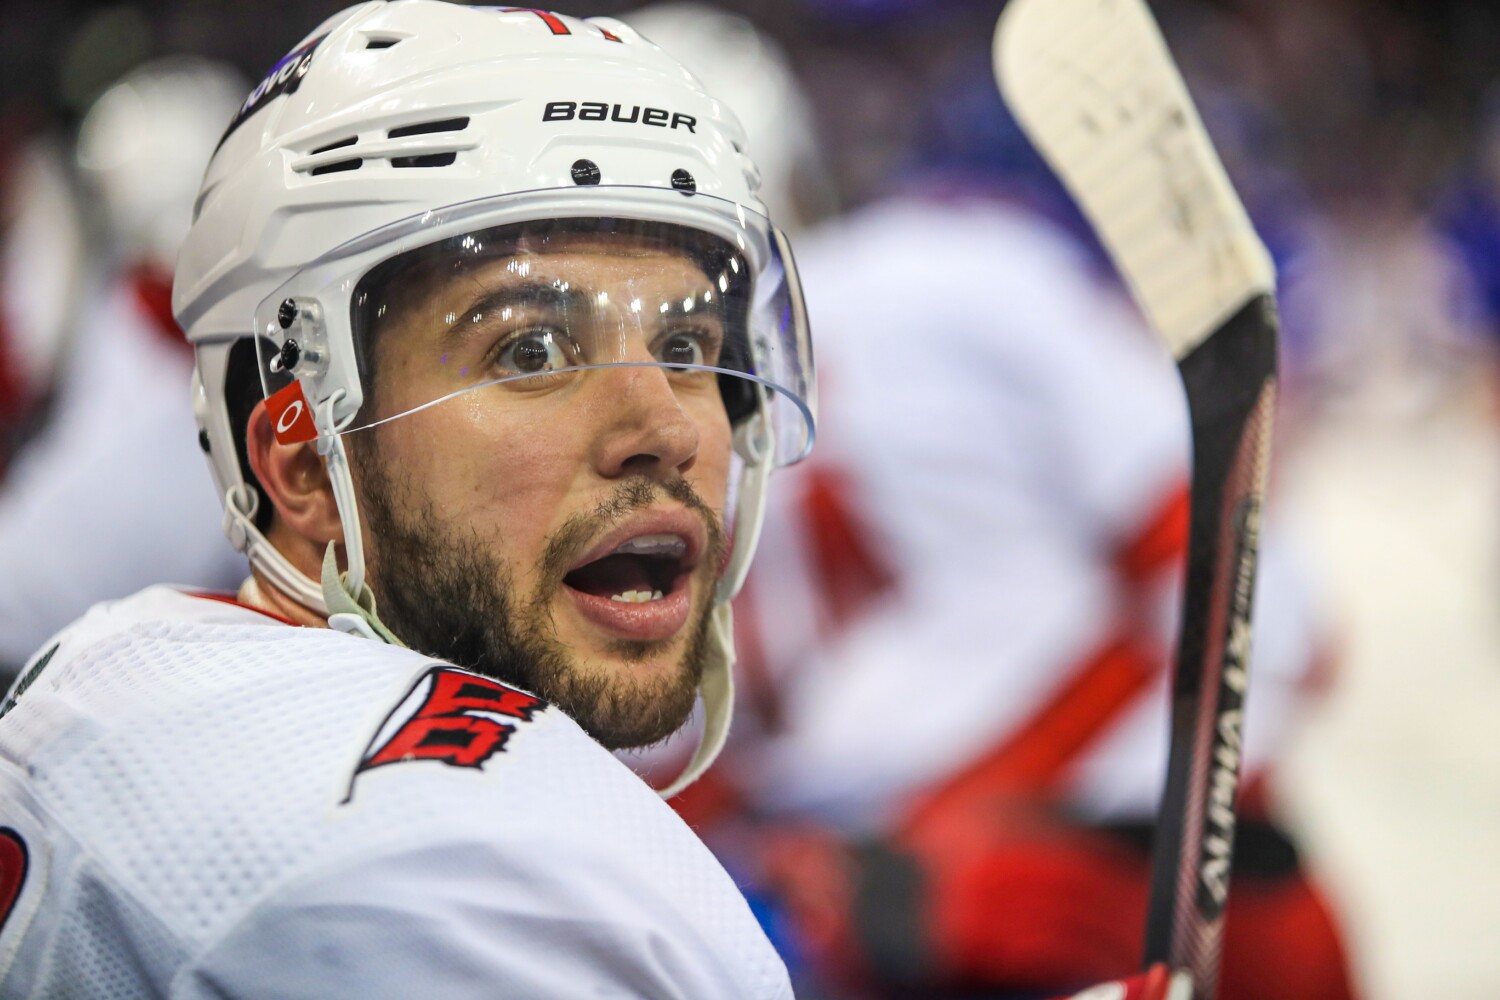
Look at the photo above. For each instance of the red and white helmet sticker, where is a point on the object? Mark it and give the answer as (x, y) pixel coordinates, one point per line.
(291, 415)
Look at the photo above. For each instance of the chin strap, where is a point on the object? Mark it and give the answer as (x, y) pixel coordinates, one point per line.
(348, 613)
(753, 442)
(240, 505)
(350, 604)
(717, 690)
(331, 447)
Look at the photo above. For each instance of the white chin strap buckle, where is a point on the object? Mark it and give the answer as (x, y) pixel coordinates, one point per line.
(351, 624)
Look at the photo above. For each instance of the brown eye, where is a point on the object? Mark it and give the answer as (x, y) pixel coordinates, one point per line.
(532, 353)
(681, 349)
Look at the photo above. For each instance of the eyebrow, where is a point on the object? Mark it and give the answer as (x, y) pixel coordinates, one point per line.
(529, 293)
(547, 295)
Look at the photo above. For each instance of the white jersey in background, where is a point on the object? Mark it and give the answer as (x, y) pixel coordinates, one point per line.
(979, 554)
(111, 496)
(198, 800)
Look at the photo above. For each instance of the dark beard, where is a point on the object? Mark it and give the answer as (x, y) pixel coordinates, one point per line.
(444, 594)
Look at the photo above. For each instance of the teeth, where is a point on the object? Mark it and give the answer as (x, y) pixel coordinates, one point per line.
(637, 596)
(654, 545)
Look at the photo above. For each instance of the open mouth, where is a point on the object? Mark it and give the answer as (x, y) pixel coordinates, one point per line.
(645, 568)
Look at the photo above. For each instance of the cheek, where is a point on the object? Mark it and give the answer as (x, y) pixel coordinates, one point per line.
(494, 473)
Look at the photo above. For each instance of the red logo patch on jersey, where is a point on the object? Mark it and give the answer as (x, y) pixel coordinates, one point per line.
(452, 716)
(13, 864)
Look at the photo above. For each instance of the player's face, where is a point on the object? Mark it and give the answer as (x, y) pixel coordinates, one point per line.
(561, 531)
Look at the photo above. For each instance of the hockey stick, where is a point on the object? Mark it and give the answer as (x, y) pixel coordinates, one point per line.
(1095, 89)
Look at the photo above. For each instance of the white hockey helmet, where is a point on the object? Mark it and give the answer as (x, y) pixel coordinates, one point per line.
(399, 127)
(750, 69)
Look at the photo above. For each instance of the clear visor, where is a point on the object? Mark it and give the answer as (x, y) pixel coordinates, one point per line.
(562, 311)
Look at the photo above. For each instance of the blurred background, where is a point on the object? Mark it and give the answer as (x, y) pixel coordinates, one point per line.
(982, 555)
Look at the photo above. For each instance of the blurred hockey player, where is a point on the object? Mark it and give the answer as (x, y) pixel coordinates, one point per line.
(959, 631)
(110, 497)
(488, 323)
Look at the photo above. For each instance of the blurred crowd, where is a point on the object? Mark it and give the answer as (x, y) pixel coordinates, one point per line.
(956, 642)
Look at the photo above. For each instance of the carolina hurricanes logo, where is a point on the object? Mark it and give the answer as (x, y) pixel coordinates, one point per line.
(451, 716)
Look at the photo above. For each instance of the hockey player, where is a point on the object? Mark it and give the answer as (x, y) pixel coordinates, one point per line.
(487, 325)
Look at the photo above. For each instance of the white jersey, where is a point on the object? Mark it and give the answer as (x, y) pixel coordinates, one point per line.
(996, 429)
(198, 800)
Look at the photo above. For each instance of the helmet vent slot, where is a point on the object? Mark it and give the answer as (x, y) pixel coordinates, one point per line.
(427, 160)
(380, 42)
(427, 128)
(335, 145)
(338, 167)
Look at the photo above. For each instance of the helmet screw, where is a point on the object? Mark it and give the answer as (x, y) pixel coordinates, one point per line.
(286, 314)
(683, 181)
(287, 359)
(585, 172)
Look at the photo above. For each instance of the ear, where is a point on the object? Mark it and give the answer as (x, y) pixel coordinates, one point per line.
(295, 479)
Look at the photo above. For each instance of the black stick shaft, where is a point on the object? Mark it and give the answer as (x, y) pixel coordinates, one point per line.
(1230, 385)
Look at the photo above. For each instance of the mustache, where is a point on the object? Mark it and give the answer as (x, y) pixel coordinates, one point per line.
(631, 495)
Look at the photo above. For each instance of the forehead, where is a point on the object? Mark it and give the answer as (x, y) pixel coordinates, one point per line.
(447, 277)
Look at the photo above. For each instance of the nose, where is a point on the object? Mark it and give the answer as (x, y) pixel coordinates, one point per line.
(647, 430)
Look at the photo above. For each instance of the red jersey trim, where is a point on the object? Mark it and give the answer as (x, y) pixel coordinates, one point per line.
(1036, 756)
(226, 599)
(153, 293)
(1162, 543)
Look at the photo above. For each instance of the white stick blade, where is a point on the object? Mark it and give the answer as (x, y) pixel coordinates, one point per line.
(1094, 87)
